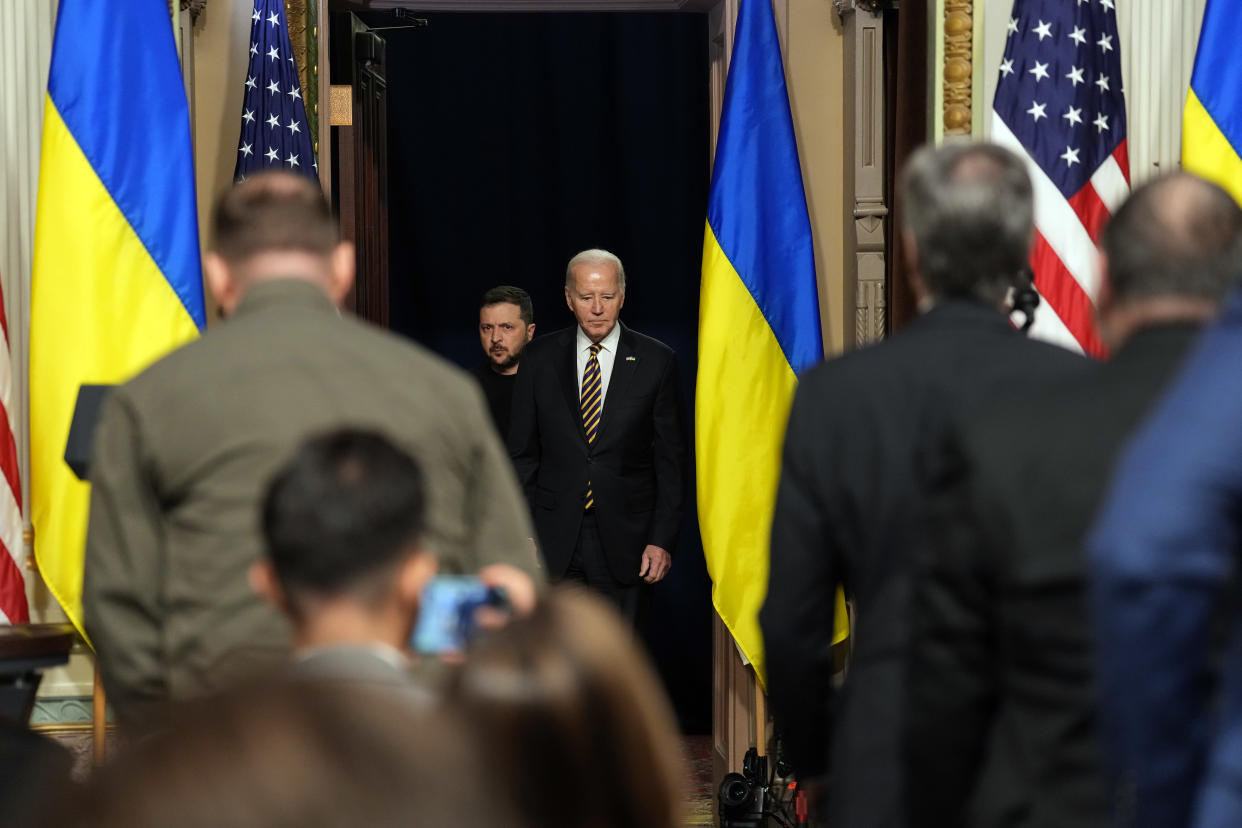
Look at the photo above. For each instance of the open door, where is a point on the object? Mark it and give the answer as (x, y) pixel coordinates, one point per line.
(361, 160)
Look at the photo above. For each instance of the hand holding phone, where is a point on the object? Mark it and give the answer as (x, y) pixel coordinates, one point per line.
(446, 616)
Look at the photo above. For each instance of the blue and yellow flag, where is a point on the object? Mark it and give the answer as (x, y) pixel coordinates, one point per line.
(758, 323)
(117, 279)
(1212, 125)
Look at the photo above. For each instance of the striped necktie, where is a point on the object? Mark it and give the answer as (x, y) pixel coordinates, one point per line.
(592, 405)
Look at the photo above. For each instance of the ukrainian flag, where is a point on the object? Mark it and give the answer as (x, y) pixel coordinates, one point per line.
(117, 279)
(1212, 125)
(758, 323)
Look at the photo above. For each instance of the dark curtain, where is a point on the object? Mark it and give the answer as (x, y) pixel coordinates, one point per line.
(516, 140)
(905, 120)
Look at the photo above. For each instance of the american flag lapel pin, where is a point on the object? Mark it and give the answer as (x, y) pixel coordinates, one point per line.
(631, 359)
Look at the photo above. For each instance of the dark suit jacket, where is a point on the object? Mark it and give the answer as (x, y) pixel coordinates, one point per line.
(1000, 723)
(636, 466)
(864, 435)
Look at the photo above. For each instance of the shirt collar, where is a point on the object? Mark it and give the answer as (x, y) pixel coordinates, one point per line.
(608, 343)
(384, 652)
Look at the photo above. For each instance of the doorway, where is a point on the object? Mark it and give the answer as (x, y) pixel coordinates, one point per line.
(513, 141)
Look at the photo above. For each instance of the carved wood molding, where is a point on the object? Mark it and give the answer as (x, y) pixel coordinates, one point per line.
(959, 26)
(194, 7)
(295, 13)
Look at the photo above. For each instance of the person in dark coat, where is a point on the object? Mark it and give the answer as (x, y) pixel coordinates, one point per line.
(506, 327)
(597, 437)
(863, 440)
(1000, 720)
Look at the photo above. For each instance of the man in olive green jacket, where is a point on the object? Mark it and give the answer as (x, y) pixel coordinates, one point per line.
(184, 451)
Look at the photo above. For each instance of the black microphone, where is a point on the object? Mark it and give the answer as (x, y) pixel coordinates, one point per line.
(1025, 298)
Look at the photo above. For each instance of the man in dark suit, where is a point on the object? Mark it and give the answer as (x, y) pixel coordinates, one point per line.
(1163, 559)
(596, 435)
(506, 326)
(864, 435)
(1000, 718)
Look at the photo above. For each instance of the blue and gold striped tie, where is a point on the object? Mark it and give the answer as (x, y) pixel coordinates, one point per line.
(592, 405)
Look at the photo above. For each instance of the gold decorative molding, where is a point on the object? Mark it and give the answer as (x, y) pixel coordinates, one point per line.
(959, 26)
(341, 104)
(194, 7)
(295, 13)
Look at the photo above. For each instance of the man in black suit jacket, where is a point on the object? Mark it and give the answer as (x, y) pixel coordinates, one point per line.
(596, 435)
(864, 434)
(1001, 725)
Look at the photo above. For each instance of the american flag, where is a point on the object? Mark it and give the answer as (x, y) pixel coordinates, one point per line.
(274, 129)
(13, 609)
(1059, 103)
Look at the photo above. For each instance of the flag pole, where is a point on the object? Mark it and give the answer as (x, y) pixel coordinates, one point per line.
(99, 723)
(761, 715)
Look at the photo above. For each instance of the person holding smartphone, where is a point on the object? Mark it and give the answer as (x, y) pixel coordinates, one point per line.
(345, 560)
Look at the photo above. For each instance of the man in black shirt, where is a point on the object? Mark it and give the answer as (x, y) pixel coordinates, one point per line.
(506, 324)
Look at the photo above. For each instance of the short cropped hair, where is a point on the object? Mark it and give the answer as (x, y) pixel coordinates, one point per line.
(1177, 235)
(596, 257)
(970, 208)
(273, 211)
(341, 515)
(514, 296)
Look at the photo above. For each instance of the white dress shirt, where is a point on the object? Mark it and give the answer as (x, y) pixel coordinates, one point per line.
(607, 356)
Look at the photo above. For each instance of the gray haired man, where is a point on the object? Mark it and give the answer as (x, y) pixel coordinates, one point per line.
(862, 446)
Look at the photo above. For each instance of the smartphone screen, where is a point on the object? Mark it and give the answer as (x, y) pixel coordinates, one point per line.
(446, 613)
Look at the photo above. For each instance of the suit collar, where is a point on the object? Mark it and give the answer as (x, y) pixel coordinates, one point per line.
(623, 368)
(610, 342)
(963, 313)
(568, 360)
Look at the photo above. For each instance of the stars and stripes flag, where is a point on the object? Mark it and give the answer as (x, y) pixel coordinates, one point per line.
(13, 609)
(274, 131)
(1059, 103)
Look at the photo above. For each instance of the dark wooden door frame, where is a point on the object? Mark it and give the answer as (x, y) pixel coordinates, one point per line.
(361, 165)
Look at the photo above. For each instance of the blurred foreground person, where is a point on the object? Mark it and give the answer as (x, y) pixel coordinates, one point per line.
(183, 452)
(862, 445)
(580, 733)
(344, 560)
(1001, 727)
(1164, 563)
(31, 765)
(296, 755)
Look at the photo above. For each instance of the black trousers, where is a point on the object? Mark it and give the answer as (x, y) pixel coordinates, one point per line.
(589, 566)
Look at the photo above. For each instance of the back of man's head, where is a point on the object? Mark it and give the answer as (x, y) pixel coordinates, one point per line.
(969, 212)
(341, 518)
(1175, 236)
(273, 211)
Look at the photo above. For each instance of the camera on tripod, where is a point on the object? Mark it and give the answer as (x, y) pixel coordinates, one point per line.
(743, 796)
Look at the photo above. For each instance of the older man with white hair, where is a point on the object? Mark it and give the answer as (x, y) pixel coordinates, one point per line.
(597, 436)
